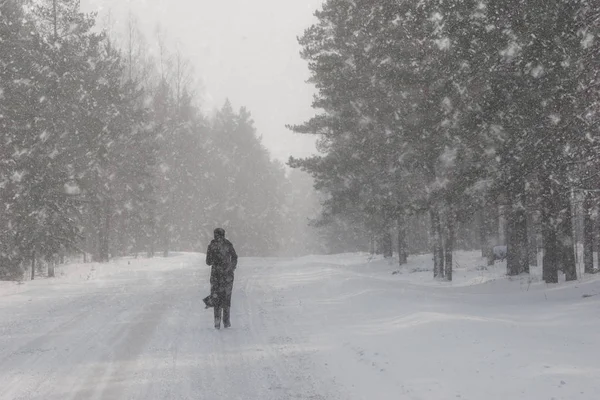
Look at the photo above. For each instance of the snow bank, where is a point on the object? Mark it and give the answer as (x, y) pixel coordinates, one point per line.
(470, 269)
(387, 332)
(76, 272)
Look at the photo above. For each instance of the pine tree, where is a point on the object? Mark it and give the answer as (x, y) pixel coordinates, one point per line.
(44, 211)
(246, 184)
(19, 98)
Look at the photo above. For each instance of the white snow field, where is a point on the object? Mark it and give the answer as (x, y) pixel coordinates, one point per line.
(319, 328)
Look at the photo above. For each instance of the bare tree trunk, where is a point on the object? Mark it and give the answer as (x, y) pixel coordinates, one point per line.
(402, 250)
(51, 266)
(596, 235)
(588, 234)
(512, 244)
(517, 250)
(502, 225)
(565, 237)
(33, 265)
(550, 259)
(532, 223)
(558, 240)
(168, 232)
(449, 245)
(166, 241)
(388, 251)
(104, 231)
(151, 233)
(549, 215)
(107, 227)
(483, 232)
(151, 248)
(491, 219)
(96, 245)
(437, 243)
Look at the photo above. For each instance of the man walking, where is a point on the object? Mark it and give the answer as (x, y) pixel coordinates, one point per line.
(222, 258)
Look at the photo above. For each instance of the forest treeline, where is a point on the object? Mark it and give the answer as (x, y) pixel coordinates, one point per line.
(104, 150)
(463, 116)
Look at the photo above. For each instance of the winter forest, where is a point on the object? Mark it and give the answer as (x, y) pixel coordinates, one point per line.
(441, 125)
(105, 151)
(291, 199)
(474, 121)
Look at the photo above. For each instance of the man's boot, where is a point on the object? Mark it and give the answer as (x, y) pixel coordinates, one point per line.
(218, 317)
(226, 315)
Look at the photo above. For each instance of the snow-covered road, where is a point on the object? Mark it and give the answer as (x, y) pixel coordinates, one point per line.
(311, 328)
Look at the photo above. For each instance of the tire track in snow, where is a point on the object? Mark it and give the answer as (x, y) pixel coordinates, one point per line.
(107, 380)
(63, 343)
(148, 337)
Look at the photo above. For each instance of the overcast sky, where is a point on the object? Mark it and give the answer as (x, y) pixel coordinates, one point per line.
(245, 50)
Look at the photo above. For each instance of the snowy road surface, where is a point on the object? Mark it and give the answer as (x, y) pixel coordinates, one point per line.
(311, 328)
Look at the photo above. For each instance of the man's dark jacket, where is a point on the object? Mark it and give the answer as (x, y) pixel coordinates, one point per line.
(221, 256)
